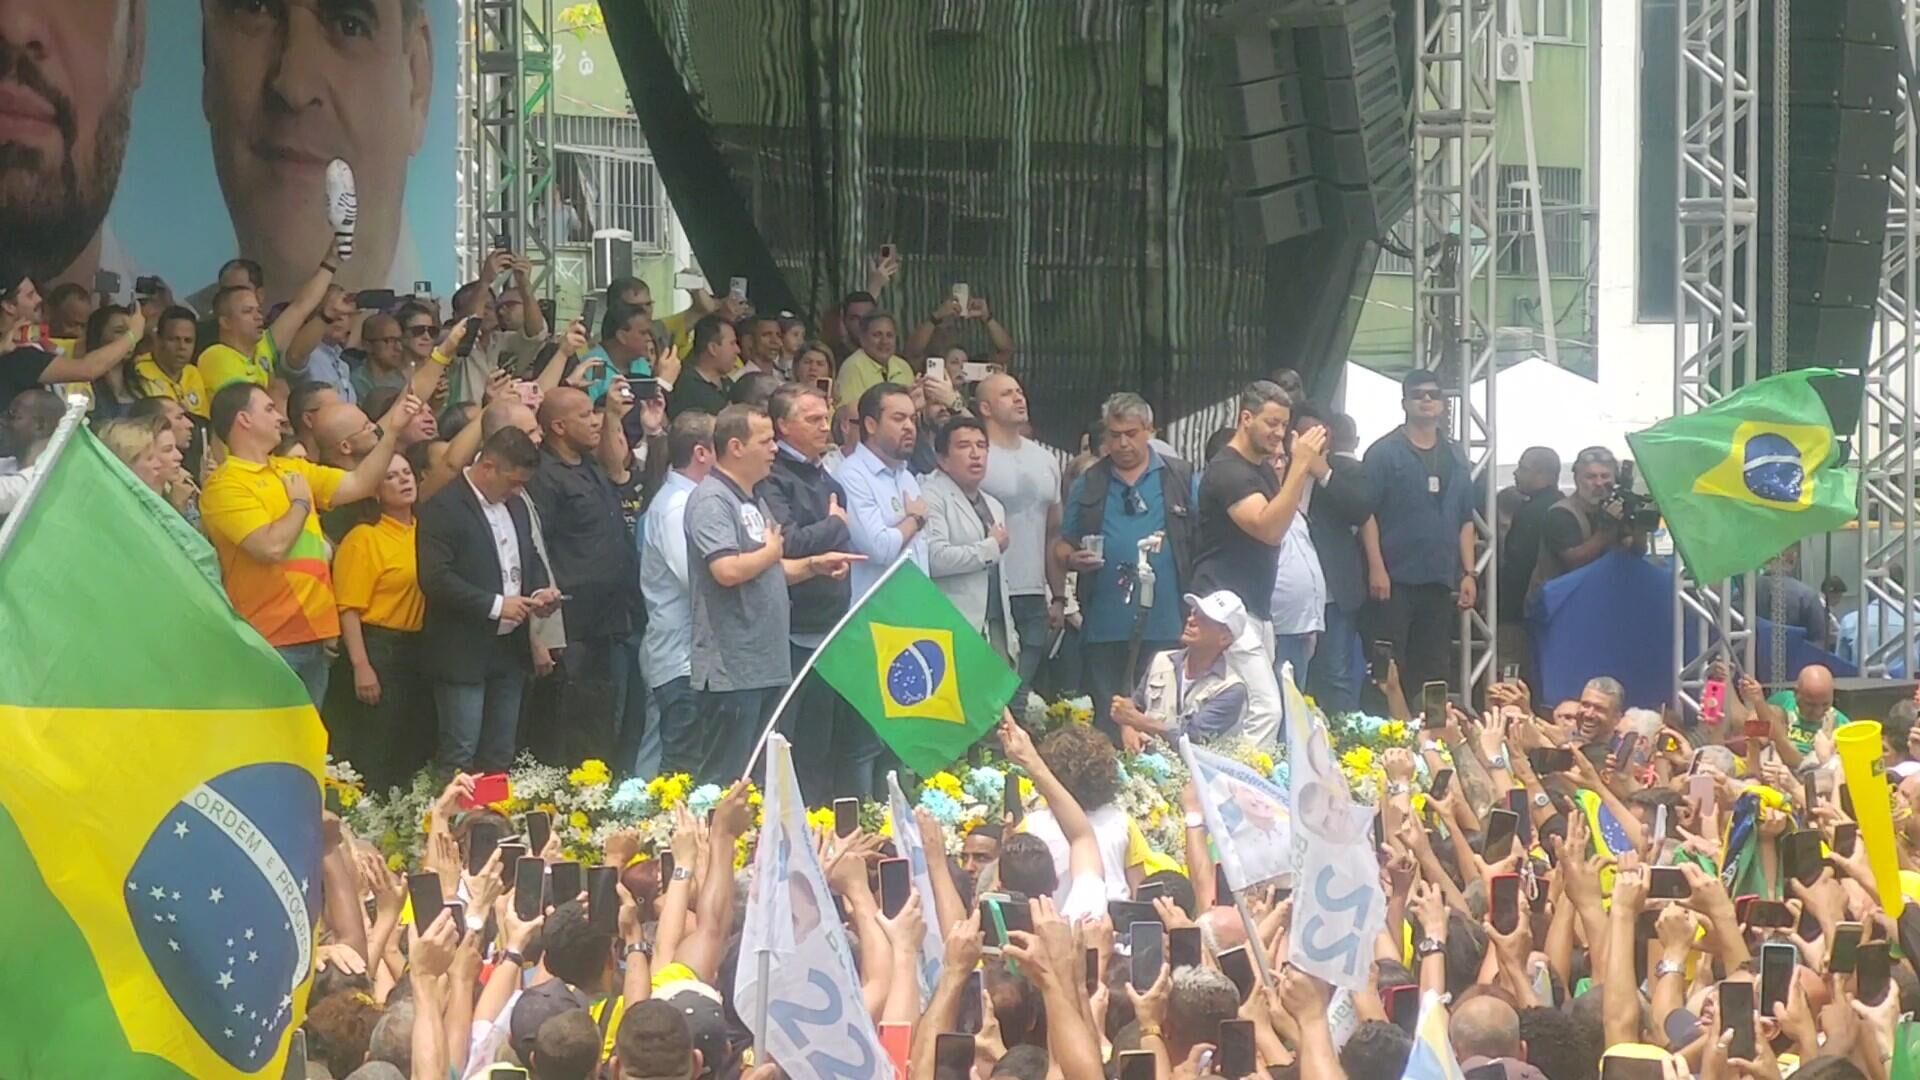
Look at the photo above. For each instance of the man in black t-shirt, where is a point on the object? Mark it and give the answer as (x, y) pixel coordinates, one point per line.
(29, 365)
(1522, 524)
(1246, 507)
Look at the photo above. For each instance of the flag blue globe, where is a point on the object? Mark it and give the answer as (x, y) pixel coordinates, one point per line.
(1773, 468)
(915, 672)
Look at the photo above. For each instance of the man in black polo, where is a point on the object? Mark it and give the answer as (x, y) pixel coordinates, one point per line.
(584, 475)
(703, 382)
(1522, 522)
(1420, 544)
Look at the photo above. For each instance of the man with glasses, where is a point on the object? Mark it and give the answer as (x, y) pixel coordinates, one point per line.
(401, 353)
(1125, 496)
(1420, 543)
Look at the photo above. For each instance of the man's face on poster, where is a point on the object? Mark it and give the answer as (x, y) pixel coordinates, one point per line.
(291, 85)
(68, 69)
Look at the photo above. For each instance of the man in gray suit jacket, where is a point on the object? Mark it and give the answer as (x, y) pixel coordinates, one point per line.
(967, 533)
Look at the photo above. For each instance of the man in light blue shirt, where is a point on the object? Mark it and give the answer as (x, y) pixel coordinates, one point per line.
(1851, 646)
(666, 648)
(885, 512)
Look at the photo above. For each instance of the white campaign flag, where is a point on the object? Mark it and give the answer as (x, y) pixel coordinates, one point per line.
(1247, 817)
(816, 1027)
(1338, 906)
(906, 840)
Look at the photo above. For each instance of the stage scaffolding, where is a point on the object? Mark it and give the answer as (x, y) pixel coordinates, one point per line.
(507, 161)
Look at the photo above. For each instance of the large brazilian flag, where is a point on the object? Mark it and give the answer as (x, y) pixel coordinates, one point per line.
(907, 660)
(1762, 468)
(159, 796)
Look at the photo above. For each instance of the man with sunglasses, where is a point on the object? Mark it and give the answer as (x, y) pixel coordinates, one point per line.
(1420, 543)
(1130, 492)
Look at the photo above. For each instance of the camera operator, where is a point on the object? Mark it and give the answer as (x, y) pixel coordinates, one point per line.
(1588, 523)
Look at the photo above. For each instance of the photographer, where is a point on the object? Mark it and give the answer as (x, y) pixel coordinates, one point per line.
(1588, 523)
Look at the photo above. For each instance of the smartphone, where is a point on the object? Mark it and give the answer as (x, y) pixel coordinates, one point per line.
(1379, 831)
(1509, 672)
(975, 371)
(1547, 760)
(1500, 827)
(970, 1018)
(508, 1072)
(330, 798)
(1183, 946)
(590, 314)
(644, 388)
(482, 839)
(737, 288)
(825, 385)
(886, 250)
(1713, 701)
(952, 1056)
(423, 288)
(1740, 906)
(1660, 823)
(1014, 913)
(374, 299)
(1092, 971)
(1135, 1064)
(1517, 802)
(1846, 945)
(1010, 799)
(1149, 953)
(1845, 835)
(1504, 904)
(1669, 743)
(465, 348)
(1871, 972)
(510, 856)
(1442, 781)
(1800, 856)
(1222, 888)
(458, 909)
(502, 242)
(846, 817)
(1769, 915)
(567, 881)
(1736, 1015)
(1433, 703)
(1668, 883)
(603, 899)
(1777, 960)
(106, 282)
(1125, 913)
(1701, 790)
(1403, 1006)
(896, 885)
(1846, 801)
(1149, 891)
(487, 789)
(423, 892)
(1681, 1028)
(539, 828)
(666, 868)
(1237, 964)
(1624, 750)
(1235, 1057)
(529, 877)
(147, 286)
(1619, 1068)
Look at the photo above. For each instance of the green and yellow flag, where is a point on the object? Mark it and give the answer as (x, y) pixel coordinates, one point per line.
(1762, 468)
(159, 796)
(926, 680)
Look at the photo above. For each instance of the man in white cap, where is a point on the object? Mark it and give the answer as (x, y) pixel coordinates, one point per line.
(1191, 690)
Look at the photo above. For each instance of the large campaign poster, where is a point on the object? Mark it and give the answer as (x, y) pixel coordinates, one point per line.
(149, 137)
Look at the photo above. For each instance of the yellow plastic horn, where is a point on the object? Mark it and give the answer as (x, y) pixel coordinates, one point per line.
(1860, 756)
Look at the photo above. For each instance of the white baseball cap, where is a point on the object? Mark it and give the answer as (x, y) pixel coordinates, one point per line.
(1221, 607)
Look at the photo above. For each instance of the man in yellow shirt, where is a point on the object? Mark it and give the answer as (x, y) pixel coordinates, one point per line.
(248, 349)
(169, 371)
(873, 363)
(259, 511)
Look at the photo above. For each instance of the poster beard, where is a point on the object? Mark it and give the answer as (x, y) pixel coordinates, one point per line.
(51, 210)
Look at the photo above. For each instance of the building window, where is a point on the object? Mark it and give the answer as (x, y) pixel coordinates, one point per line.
(610, 189)
(1561, 206)
(1544, 20)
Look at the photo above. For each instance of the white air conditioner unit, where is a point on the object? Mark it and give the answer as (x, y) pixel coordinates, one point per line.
(1513, 59)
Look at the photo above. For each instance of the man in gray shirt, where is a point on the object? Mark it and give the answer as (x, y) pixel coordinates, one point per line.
(738, 573)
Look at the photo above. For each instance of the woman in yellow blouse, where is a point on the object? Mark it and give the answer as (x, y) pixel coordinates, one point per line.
(379, 724)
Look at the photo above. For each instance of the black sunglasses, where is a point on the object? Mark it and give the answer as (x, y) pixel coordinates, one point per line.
(1433, 394)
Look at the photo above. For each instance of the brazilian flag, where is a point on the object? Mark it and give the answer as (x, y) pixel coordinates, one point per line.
(921, 675)
(1762, 468)
(160, 837)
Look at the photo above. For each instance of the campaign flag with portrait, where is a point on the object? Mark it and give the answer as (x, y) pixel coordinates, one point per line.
(907, 840)
(1246, 815)
(1760, 469)
(160, 797)
(909, 662)
(1338, 905)
(817, 1024)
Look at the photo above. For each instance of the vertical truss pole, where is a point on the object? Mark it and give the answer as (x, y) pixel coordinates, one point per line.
(1713, 342)
(509, 164)
(1887, 495)
(1455, 242)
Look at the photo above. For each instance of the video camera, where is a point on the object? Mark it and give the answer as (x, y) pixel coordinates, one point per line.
(1636, 509)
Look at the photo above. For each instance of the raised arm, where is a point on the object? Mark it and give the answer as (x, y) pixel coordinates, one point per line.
(1083, 848)
(365, 479)
(301, 306)
(1266, 520)
(90, 366)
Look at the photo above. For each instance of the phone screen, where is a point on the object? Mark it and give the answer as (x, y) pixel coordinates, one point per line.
(1803, 858)
(952, 1056)
(539, 827)
(1442, 780)
(1499, 843)
(1844, 835)
(603, 899)
(1777, 959)
(896, 884)
(1093, 971)
(644, 388)
(1403, 1007)
(1379, 655)
(846, 817)
(1149, 953)
(1125, 913)
(567, 881)
(970, 1017)
(1547, 760)
(1846, 946)
(423, 891)
(1433, 703)
(1505, 905)
(1010, 798)
(1871, 972)
(1237, 963)
(1183, 946)
(1015, 915)
(529, 876)
(1137, 1065)
(1235, 1058)
(510, 856)
(482, 838)
(1736, 1015)
(1523, 821)
(1769, 915)
(1668, 883)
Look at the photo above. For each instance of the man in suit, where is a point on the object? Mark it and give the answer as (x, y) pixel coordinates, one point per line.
(967, 534)
(1341, 502)
(483, 580)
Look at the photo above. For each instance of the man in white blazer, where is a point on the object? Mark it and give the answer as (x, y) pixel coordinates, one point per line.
(967, 533)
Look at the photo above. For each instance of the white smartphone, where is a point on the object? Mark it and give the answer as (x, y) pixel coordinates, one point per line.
(690, 281)
(963, 295)
(973, 371)
(737, 288)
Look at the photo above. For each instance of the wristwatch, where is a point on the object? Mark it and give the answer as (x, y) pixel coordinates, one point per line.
(1667, 967)
(1500, 762)
(1398, 787)
(1427, 947)
(513, 956)
(1540, 800)
(682, 873)
(642, 947)
(1195, 821)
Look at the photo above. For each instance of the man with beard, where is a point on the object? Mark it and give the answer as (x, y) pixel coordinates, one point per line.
(25, 428)
(29, 365)
(288, 88)
(67, 75)
(885, 513)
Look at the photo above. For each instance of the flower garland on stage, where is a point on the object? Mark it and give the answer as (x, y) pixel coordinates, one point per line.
(587, 806)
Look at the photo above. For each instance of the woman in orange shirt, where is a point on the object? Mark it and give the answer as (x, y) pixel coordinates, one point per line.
(380, 718)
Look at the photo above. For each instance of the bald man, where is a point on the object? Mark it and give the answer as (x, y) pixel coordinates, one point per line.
(506, 413)
(1485, 1029)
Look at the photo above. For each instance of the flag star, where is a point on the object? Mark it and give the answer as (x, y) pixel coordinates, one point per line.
(176, 897)
(158, 918)
(216, 896)
(285, 1000)
(171, 917)
(229, 943)
(256, 1040)
(253, 1016)
(180, 829)
(252, 1053)
(228, 1032)
(249, 934)
(157, 893)
(133, 886)
(225, 980)
(303, 884)
(239, 1010)
(252, 957)
(229, 961)
(172, 944)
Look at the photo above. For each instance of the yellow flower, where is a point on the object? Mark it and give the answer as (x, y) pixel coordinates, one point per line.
(592, 773)
(397, 862)
(949, 784)
(971, 824)
(886, 825)
(1263, 761)
(820, 820)
(1359, 759)
(1026, 789)
(349, 797)
(578, 819)
(1393, 733)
